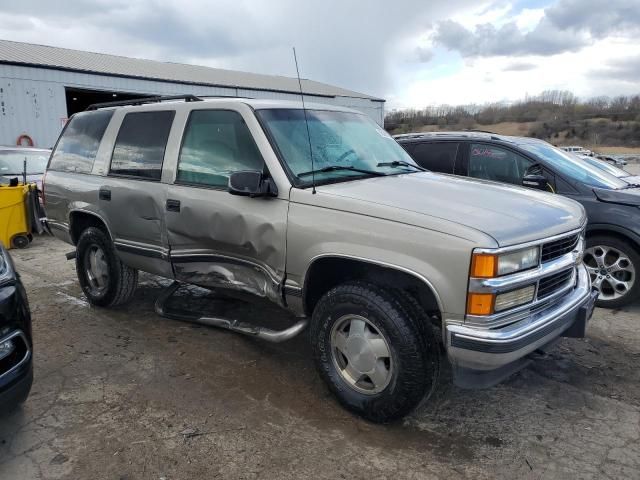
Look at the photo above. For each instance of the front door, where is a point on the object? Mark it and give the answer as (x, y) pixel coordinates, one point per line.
(218, 239)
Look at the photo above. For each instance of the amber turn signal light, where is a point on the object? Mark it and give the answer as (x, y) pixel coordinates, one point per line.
(480, 303)
(484, 265)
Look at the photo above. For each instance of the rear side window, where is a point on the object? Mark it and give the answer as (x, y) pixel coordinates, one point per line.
(438, 157)
(77, 148)
(216, 143)
(140, 145)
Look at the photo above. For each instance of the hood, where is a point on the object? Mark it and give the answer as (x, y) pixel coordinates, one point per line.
(625, 196)
(632, 180)
(508, 214)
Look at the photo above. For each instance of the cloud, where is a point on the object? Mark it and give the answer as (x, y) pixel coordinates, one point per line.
(598, 17)
(566, 26)
(508, 39)
(519, 67)
(424, 55)
(338, 42)
(621, 70)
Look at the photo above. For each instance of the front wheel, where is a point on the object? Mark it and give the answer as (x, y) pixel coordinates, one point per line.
(370, 351)
(613, 266)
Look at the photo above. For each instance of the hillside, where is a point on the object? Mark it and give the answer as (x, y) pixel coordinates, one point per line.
(602, 124)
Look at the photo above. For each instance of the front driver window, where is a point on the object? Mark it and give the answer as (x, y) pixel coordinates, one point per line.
(498, 164)
(216, 144)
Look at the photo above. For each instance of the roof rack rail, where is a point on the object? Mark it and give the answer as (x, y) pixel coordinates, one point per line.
(476, 130)
(143, 100)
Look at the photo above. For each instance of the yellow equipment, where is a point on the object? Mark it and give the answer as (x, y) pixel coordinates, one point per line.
(15, 228)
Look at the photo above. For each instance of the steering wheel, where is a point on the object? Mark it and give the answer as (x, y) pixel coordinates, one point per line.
(345, 155)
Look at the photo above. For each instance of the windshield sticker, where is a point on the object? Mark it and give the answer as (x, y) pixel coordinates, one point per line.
(483, 152)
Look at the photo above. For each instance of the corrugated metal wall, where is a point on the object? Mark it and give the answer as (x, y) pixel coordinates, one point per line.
(32, 100)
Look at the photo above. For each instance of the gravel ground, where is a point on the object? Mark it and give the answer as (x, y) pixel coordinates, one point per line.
(126, 394)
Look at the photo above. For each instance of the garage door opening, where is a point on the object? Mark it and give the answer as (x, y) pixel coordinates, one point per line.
(78, 99)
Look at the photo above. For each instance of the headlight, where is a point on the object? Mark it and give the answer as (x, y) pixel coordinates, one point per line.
(489, 265)
(4, 265)
(6, 348)
(490, 303)
(514, 298)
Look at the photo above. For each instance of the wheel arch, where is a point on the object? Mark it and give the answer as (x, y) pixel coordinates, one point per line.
(79, 220)
(327, 271)
(614, 230)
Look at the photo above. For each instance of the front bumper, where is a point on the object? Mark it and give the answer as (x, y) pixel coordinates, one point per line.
(16, 367)
(484, 357)
(16, 371)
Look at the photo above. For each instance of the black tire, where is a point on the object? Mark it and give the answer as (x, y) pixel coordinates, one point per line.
(606, 300)
(20, 241)
(413, 353)
(121, 280)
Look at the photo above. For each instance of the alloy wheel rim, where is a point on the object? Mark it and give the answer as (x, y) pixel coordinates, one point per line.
(97, 269)
(611, 270)
(361, 354)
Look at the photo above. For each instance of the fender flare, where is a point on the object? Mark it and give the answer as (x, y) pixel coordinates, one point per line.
(391, 266)
(608, 227)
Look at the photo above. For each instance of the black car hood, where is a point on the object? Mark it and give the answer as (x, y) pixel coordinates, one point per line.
(625, 196)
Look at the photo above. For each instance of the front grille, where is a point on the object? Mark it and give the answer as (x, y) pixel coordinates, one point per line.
(557, 248)
(554, 283)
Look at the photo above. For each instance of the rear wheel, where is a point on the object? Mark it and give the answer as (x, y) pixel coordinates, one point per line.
(370, 351)
(104, 279)
(613, 266)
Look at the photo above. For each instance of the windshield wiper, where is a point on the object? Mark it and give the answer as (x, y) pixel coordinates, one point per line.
(398, 163)
(332, 168)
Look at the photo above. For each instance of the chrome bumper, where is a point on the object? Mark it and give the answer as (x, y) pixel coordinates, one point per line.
(478, 349)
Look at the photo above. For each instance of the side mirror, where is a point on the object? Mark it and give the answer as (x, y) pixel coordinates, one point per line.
(251, 183)
(535, 181)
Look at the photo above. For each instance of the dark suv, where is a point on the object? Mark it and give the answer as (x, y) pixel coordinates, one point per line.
(613, 205)
(16, 369)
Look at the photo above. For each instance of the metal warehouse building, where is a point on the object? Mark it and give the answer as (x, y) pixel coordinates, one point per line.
(42, 86)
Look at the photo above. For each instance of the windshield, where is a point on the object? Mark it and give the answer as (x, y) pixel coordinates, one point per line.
(12, 162)
(572, 167)
(607, 167)
(338, 139)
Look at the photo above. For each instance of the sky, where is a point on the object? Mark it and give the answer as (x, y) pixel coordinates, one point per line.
(413, 53)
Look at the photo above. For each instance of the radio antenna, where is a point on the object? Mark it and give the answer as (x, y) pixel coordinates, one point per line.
(306, 122)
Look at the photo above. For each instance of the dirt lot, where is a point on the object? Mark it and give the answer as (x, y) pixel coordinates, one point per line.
(125, 394)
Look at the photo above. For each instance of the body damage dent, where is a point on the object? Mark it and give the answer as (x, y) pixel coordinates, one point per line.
(215, 271)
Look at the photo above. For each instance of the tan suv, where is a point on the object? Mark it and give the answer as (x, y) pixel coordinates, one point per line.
(322, 212)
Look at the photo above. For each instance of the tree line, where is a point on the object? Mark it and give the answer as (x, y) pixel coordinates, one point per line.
(555, 115)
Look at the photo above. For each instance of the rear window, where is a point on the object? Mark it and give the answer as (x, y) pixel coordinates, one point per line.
(140, 145)
(78, 145)
(439, 156)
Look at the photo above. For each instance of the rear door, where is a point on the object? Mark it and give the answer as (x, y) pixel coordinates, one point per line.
(436, 156)
(218, 239)
(132, 195)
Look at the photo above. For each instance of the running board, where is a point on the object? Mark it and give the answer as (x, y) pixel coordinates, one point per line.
(274, 336)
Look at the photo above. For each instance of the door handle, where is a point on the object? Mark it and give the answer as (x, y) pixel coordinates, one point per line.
(104, 194)
(173, 205)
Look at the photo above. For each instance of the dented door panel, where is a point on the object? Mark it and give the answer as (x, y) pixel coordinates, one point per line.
(225, 241)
